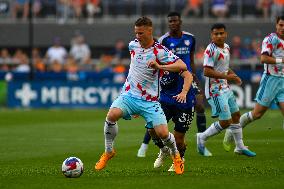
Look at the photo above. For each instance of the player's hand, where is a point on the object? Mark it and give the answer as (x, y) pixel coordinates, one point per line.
(181, 97)
(234, 78)
(153, 64)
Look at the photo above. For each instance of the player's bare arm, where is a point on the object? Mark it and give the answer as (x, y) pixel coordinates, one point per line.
(237, 80)
(210, 72)
(181, 97)
(178, 66)
(264, 58)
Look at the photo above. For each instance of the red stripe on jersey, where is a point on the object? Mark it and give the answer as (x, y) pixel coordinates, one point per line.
(127, 88)
(221, 56)
(132, 53)
(280, 45)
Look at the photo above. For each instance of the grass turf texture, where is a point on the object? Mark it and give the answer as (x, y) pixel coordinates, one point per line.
(34, 143)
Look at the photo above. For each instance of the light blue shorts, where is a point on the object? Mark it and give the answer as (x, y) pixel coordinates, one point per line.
(271, 89)
(150, 111)
(224, 105)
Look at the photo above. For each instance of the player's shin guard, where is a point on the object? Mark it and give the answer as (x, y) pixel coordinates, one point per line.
(245, 119)
(110, 132)
(170, 142)
(201, 122)
(238, 135)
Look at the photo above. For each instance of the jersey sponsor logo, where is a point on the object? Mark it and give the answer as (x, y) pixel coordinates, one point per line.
(187, 42)
(139, 57)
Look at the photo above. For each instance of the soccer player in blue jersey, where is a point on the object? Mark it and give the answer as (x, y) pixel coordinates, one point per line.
(182, 44)
(140, 93)
(271, 87)
(218, 93)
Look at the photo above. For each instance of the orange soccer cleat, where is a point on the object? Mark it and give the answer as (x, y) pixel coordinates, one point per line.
(103, 160)
(178, 164)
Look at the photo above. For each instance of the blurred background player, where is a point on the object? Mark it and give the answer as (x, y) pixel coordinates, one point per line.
(271, 87)
(182, 44)
(140, 92)
(219, 95)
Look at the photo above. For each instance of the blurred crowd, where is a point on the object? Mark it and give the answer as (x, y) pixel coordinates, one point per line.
(78, 56)
(76, 9)
(58, 58)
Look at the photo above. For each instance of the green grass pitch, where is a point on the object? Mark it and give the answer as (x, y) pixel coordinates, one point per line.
(34, 143)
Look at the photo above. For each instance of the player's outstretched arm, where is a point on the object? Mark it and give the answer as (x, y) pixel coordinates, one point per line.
(178, 66)
(188, 78)
(270, 60)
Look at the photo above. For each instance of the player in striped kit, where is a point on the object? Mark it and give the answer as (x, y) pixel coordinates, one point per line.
(271, 87)
(140, 92)
(218, 93)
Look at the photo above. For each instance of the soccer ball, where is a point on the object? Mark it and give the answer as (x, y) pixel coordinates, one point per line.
(72, 167)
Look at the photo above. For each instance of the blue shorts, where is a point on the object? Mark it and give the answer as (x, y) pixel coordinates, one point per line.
(271, 89)
(150, 111)
(224, 105)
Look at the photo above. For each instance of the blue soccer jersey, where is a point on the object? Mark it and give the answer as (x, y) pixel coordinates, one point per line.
(172, 83)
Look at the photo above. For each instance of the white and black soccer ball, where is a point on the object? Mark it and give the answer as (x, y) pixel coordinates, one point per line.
(72, 167)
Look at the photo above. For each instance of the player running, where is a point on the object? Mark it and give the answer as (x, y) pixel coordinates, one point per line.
(140, 92)
(271, 87)
(182, 44)
(218, 93)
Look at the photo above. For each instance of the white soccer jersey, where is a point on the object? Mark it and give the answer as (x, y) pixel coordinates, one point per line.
(143, 82)
(218, 59)
(273, 46)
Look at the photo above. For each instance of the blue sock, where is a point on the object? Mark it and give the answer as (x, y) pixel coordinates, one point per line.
(147, 138)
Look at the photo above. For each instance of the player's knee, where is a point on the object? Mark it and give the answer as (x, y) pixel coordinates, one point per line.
(114, 114)
(225, 123)
(236, 117)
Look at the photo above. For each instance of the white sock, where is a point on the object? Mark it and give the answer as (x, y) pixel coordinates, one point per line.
(237, 132)
(246, 118)
(214, 129)
(170, 142)
(144, 146)
(110, 132)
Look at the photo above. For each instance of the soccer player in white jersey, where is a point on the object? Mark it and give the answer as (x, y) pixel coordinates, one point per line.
(218, 93)
(140, 92)
(271, 87)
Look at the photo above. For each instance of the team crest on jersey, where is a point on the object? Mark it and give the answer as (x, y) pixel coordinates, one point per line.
(187, 42)
(172, 45)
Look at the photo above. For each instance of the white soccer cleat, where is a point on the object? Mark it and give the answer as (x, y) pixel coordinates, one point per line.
(201, 149)
(141, 152)
(245, 152)
(228, 140)
(172, 168)
(161, 158)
